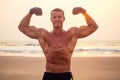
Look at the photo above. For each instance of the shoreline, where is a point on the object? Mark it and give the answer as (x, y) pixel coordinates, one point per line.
(76, 54)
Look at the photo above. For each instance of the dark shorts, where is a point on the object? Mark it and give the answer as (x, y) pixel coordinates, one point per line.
(57, 76)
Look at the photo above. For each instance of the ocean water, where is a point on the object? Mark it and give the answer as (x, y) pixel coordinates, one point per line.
(82, 49)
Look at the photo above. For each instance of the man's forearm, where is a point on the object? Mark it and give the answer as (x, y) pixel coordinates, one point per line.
(90, 21)
(25, 22)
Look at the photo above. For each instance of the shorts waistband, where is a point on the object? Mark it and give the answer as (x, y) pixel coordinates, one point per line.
(58, 76)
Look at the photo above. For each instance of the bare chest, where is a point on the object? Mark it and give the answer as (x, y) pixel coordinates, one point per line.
(57, 41)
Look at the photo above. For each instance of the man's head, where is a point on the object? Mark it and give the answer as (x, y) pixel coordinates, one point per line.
(57, 17)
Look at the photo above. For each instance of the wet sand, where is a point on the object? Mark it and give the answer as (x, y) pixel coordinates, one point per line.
(83, 68)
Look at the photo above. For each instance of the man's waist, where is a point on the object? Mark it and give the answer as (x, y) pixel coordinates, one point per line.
(57, 71)
(57, 68)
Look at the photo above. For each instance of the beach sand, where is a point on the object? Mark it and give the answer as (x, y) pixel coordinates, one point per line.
(83, 68)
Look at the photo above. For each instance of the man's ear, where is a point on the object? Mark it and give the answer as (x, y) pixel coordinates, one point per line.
(64, 19)
(51, 19)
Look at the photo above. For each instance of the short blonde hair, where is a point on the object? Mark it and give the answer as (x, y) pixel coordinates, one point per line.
(57, 9)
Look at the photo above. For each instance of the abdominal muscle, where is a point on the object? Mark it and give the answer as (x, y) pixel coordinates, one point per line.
(58, 60)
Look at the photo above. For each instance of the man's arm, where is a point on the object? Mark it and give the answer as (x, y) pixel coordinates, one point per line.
(24, 27)
(84, 31)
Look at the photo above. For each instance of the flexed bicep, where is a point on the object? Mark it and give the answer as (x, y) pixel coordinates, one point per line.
(84, 31)
(31, 32)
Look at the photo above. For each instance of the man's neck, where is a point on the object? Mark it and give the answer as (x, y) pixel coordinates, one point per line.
(58, 31)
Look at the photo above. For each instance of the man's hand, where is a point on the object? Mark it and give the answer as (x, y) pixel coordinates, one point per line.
(78, 10)
(36, 11)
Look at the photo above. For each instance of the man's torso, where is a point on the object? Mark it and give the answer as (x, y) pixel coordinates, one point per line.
(58, 51)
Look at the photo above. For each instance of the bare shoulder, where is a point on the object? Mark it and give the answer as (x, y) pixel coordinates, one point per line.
(78, 32)
(43, 32)
(72, 31)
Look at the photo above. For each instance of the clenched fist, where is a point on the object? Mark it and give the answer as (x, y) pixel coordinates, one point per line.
(78, 10)
(36, 11)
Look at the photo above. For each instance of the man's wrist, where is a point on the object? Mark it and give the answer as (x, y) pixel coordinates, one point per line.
(29, 14)
(83, 12)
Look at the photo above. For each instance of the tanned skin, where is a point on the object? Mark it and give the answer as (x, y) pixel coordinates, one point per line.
(58, 45)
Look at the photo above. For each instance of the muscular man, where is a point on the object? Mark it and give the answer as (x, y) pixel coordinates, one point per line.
(57, 45)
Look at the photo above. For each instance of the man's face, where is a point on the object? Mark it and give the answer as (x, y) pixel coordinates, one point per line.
(57, 19)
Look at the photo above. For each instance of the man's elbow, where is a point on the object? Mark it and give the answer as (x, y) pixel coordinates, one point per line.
(19, 27)
(95, 27)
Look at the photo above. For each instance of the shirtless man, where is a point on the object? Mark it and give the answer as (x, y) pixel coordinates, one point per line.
(57, 45)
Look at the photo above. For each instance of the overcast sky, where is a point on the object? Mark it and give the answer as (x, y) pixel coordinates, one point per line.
(106, 13)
